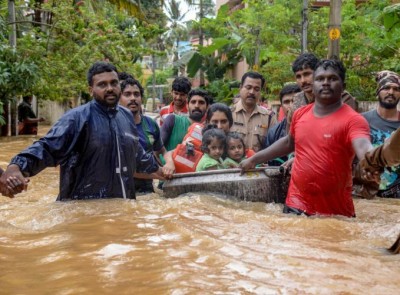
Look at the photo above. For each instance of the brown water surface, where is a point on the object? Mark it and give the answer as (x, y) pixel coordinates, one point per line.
(194, 244)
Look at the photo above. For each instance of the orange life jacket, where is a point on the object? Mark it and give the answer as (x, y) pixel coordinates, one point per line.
(194, 135)
(186, 158)
(249, 153)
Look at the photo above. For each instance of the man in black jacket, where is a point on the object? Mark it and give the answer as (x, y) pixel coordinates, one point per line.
(96, 146)
(280, 130)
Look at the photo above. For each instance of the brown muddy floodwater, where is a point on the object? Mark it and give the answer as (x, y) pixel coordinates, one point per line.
(194, 244)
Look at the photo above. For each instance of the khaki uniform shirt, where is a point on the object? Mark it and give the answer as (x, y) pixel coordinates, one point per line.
(253, 130)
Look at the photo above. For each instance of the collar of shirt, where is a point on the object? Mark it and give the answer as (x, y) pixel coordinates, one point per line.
(239, 108)
(183, 110)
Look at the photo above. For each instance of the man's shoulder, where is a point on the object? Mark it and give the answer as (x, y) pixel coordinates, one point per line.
(165, 110)
(237, 107)
(369, 113)
(278, 126)
(264, 111)
(299, 97)
(169, 120)
(303, 110)
(150, 121)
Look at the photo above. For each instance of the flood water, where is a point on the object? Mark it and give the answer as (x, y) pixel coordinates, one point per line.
(195, 244)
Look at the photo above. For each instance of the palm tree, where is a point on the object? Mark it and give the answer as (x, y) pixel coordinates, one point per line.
(177, 29)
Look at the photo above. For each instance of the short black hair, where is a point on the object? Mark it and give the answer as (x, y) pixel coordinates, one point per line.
(253, 75)
(132, 82)
(181, 84)
(200, 92)
(27, 97)
(122, 76)
(209, 132)
(98, 68)
(288, 89)
(219, 107)
(305, 61)
(334, 64)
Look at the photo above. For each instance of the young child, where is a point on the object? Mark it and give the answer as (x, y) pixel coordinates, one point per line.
(213, 147)
(235, 150)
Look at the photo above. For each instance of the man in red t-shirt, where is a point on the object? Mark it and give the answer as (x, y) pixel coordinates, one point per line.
(325, 135)
(180, 89)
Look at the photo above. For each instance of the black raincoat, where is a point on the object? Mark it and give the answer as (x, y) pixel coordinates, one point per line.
(97, 149)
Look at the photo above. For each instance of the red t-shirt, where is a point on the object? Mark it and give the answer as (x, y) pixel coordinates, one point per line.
(169, 109)
(321, 180)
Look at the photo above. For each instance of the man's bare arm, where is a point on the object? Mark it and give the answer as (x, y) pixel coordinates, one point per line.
(281, 147)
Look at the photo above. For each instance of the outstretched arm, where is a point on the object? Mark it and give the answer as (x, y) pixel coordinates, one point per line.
(361, 146)
(33, 120)
(386, 155)
(281, 147)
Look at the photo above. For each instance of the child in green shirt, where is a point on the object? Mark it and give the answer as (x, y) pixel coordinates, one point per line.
(213, 147)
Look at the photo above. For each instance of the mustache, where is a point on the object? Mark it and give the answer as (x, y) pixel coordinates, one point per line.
(326, 89)
(197, 110)
(390, 96)
(132, 104)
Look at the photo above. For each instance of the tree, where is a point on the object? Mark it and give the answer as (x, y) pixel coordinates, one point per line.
(177, 30)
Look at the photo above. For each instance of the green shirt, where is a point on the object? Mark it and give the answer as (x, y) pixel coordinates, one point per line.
(206, 162)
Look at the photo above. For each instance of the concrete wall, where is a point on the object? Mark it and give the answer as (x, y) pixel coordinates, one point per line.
(52, 111)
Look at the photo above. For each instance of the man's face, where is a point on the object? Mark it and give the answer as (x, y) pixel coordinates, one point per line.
(179, 98)
(304, 78)
(389, 96)
(327, 86)
(197, 108)
(250, 92)
(131, 98)
(106, 89)
(287, 101)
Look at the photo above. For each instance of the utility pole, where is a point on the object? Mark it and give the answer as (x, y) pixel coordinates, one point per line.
(201, 4)
(153, 69)
(13, 44)
(335, 20)
(13, 32)
(304, 26)
(201, 41)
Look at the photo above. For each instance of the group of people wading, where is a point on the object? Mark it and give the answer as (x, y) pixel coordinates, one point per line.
(108, 148)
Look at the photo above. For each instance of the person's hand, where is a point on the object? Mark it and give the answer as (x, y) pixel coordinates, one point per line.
(371, 176)
(12, 182)
(41, 119)
(246, 165)
(288, 164)
(168, 170)
(365, 172)
(159, 174)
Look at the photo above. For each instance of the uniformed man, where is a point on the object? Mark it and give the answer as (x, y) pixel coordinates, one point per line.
(249, 119)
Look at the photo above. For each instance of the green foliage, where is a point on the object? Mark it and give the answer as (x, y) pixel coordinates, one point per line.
(79, 36)
(18, 75)
(2, 121)
(267, 34)
(161, 77)
(223, 90)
